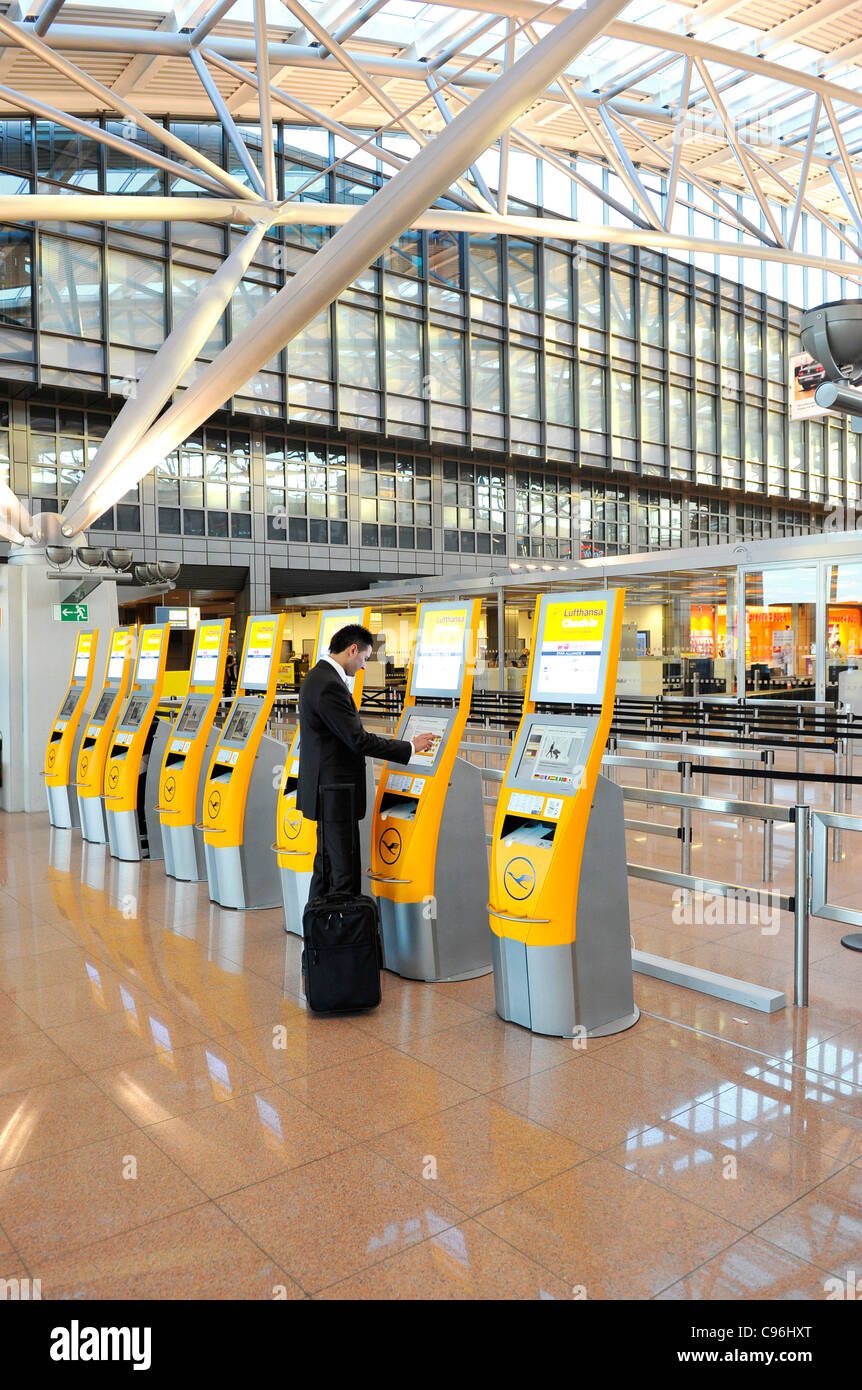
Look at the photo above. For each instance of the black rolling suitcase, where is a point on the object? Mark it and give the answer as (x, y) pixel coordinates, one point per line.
(343, 949)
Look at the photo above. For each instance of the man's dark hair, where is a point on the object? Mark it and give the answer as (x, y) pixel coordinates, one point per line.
(346, 636)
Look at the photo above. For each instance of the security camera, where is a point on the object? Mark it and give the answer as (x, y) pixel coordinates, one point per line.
(832, 335)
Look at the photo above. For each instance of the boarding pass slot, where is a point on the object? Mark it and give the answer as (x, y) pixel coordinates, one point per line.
(173, 758)
(88, 743)
(221, 774)
(537, 834)
(56, 735)
(400, 806)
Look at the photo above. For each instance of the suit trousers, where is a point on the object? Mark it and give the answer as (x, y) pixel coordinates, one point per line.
(337, 864)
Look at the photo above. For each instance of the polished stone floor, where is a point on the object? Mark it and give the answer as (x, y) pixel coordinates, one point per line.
(175, 1124)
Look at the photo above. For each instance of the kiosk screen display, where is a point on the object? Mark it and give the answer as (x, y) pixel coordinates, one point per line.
(69, 704)
(190, 720)
(420, 723)
(103, 708)
(240, 724)
(135, 711)
(115, 665)
(438, 662)
(553, 757)
(568, 664)
(258, 654)
(82, 662)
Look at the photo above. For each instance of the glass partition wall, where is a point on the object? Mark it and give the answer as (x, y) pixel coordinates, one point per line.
(782, 631)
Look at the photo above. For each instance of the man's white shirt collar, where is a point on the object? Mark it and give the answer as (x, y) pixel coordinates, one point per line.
(340, 669)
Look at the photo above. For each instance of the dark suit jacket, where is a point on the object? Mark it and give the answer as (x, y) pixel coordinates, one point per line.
(333, 745)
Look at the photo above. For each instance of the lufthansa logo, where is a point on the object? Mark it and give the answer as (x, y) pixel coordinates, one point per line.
(113, 776)
(170, 788)
(292, 823)
(52, 753)
(389, 846)
(214, 804)
(519, 878)
(85, 763)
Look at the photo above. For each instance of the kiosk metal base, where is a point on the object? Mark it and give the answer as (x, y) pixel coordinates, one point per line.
(446, 938)
(184, 850)
(124, 836)
(91, 812)
(233, 881)
(63, 808)
(585, 984)
(247, 875)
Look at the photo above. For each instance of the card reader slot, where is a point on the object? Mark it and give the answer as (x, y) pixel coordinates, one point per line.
(518, 830)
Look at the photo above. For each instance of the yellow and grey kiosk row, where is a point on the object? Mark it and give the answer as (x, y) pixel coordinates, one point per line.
(241, 791)
(428, 853)
(558, 905)
(133, 764)
(191, 740)
(99, 733)
(61, 754)
(296, 836)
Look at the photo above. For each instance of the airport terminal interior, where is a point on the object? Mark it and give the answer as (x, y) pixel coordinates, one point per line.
(529, 338)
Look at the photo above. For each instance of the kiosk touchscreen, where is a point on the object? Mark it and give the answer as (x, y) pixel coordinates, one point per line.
(131, 774)
(428, 852)
(558, 904)
(241, 788)
(98, 736)
(295, 836)
(61, 754)
(181, 786)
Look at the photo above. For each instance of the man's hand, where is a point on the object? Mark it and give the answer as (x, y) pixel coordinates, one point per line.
(422, 743)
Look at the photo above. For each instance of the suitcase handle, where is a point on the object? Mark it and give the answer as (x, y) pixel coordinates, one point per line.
(384, 878)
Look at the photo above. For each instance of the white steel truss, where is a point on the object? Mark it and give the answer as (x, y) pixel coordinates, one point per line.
(715, 107)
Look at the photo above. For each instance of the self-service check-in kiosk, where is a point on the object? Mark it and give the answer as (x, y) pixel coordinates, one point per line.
(296, 836)
(558, 904)
(181, 786)
(131, 774)
(61, 754)
(99, 734)
(241, 791)
(428, 852)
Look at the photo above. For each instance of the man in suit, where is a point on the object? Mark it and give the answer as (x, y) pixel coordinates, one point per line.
(333, 747)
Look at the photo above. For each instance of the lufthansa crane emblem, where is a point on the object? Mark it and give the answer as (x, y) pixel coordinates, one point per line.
(214, 804)
(113, 776)
(519, 878)
(389, 845)
(170, 788)
(292, 823)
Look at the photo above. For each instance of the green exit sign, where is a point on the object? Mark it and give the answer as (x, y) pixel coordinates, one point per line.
(72, 612)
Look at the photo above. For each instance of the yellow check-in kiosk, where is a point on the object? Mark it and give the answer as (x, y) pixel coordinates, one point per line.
(241, 791)
(559, 908)
(428, 852)
(131, 774)
(99, 735)
(61, 754)
(295, 836)
(181, 786)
